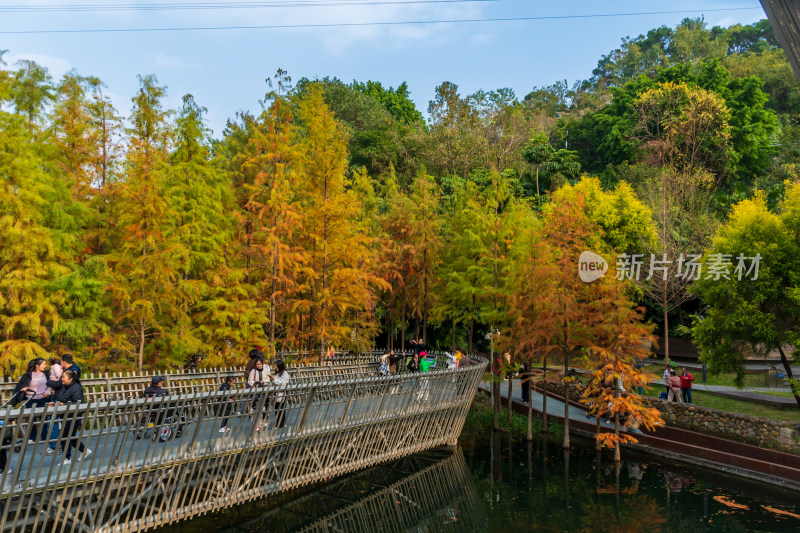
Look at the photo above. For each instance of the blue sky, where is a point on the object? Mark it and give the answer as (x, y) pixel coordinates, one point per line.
(225, 70)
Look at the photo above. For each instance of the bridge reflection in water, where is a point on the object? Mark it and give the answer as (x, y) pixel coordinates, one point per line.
(139, 478)
(425, 492)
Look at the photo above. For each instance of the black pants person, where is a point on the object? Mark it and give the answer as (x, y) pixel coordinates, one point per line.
(4, 453)
(526, 389)
(71, 428)
(280, 414)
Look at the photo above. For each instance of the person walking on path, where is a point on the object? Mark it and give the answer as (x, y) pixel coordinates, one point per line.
(667, 371)
(71, 391)
(281, 379)
(686, 385)
(674, 388)
(525, 377)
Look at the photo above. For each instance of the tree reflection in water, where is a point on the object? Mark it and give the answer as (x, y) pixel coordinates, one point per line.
(500, 485)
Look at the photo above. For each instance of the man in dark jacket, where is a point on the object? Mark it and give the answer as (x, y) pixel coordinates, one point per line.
(155, 389)
(68, 364)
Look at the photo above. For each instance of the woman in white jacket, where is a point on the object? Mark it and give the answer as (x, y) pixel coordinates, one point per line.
(257, 378)
(281, 379)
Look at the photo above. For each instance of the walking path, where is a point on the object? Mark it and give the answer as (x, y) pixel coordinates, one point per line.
(554, 406)
(749, 365)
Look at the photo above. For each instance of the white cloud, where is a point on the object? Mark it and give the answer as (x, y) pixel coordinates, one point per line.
(57, 66)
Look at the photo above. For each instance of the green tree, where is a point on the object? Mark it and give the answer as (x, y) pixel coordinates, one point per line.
(30, 259)
(746, 315)
(32, 90)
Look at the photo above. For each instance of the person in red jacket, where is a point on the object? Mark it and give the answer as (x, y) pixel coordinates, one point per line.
(686, 385)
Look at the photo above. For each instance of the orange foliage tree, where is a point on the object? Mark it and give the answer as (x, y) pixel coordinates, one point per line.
(621, 340)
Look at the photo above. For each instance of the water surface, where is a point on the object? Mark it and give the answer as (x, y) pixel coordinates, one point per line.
(495, 483)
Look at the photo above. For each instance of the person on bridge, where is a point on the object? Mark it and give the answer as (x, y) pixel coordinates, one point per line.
(259, 377)
(69, 364)
(54, 382)
(394, 360)
(34, 383)
(71, 391)
(418, 346)
(226, 407)
(686, 385)
(281, 378)
(255, 355)
(413, 365)
(155, 390)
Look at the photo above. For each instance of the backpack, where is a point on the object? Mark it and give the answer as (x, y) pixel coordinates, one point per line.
(662, 395)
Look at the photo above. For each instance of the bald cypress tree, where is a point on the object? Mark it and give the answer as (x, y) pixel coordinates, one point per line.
(145, 263)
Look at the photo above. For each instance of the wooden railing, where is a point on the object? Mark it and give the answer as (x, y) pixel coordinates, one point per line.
(156, 461)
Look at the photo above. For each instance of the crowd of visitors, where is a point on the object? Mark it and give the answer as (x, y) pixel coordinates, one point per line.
(679, 385)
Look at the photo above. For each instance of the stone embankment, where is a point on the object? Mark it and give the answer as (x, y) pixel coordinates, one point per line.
(756, 430)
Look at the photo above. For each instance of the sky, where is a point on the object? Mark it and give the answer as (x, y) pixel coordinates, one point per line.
(226, 69)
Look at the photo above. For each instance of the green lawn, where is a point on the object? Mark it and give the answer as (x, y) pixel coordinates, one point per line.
(737, 406)
(704, 399)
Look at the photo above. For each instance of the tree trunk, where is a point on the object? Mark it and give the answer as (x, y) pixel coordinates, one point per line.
(496, 389)
(544, 397)
(141, 344)
(529, 433)
(471, 333)
(597, 445)
(403, 325)
(425, 302)
(272, 301)
(566, 402)
(666, 328)
(617, 457)
(510, 391)
(787, 365)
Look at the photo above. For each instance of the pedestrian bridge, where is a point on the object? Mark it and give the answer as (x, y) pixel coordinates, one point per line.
(339, 418)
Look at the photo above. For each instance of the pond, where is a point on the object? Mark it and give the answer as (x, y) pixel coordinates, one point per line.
(496, 483)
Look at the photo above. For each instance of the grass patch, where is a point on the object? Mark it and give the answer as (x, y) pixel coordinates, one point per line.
(782, 394)
(481, 417)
